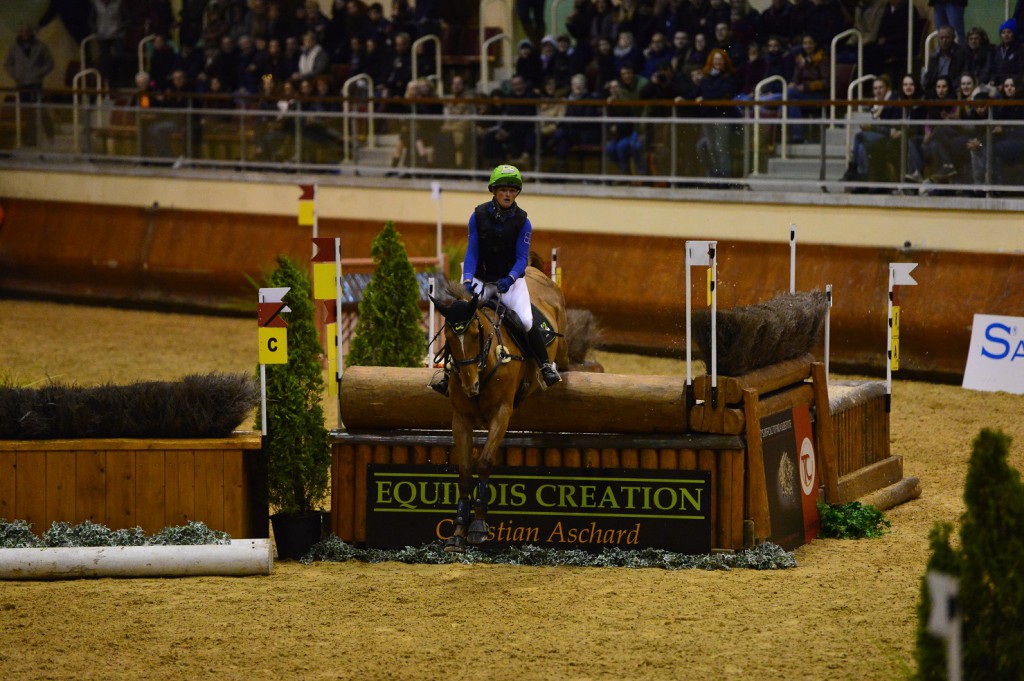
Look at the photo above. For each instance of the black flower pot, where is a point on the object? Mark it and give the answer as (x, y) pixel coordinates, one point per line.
(294, 535)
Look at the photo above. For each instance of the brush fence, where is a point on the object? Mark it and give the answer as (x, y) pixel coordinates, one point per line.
(593, 420)
(125, 483)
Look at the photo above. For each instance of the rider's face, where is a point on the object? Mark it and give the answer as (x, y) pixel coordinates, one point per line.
(506, 196)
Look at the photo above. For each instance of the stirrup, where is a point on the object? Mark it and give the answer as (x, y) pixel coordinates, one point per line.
(550, 374)
(441, 386)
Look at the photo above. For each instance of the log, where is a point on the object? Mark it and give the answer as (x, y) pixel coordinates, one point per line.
(764, 380)
(870, 478)
(895, 494)
(374, 398)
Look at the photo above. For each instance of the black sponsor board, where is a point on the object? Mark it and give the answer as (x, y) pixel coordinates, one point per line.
(575, 508)
(782, 479)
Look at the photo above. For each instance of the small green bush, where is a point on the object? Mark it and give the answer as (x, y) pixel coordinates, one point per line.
(388, 332)
(851, 521)
(988, 565)
(18, 535)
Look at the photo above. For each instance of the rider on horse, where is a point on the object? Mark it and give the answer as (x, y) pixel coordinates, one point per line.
(497, 253)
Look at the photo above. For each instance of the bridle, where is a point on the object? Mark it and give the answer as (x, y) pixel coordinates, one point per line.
(484, 351)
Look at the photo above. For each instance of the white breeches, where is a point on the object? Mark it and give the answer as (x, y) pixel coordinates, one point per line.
(517, 298)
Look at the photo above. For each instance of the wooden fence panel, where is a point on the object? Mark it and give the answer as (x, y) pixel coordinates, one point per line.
(91, 487)
(120, 497)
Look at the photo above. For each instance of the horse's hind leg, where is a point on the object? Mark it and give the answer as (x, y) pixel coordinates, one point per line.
(462, 434)
(478, 529)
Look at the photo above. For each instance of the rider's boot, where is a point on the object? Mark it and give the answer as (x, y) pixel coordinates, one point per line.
(547, 370)
(441, 384)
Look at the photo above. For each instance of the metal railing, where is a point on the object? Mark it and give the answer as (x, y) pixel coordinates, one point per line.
(852, 32)
(439, 82)
(758, 89)
(486, 84)
(347, 143)
(849, 112)
(79, 84)
(142, 50)
(932, 37)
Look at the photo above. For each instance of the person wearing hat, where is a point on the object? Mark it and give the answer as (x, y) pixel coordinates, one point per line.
(497, 253)
(1008, 57)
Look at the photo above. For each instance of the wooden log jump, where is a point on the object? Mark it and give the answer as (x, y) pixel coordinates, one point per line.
(631, 422)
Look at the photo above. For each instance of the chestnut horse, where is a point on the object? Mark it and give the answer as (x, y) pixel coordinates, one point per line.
(488, 367)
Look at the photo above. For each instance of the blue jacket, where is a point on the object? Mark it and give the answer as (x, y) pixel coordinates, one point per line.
(493, 251)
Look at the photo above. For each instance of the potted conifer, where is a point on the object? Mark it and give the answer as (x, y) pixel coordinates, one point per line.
(298, 451)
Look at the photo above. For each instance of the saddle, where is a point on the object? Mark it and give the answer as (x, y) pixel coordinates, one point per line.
(514, 325)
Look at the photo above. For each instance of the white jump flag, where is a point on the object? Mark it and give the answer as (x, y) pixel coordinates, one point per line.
(273, 338)
(899, 275)
(700, 254)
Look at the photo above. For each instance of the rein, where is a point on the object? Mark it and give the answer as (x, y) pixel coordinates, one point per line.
(485, 346)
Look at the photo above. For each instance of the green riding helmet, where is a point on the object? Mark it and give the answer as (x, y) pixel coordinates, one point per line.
(505, 176)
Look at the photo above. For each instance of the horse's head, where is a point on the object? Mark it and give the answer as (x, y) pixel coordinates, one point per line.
(465, 336)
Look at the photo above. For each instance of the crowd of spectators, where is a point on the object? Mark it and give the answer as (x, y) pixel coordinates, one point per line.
(630, 55)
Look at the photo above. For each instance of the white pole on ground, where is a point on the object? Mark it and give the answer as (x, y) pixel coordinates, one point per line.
(792, 258)
(337, 320)
(430, 332)
(828, 324)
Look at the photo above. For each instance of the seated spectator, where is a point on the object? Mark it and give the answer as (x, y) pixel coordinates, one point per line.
(512, 139)
(162, 57)
(871, 145)
(627, 53)
(935, 145)
(743, 22)
(655, 55)
(718, 83)
(1008, 56)
(551, 107)
(979, 55)
(569, 134)
(269, 132)
(172, 122)
(825, 21)
(604, 64)
(910, 91)
(725, 41)
(217, 122)
(626, 144)
(313, 61)
(554, 64)
(681, 48)
(528, 65)
(751, 72)
(776, 21)
(450, 149)
(1007, 141)
(948, 59)
(699, 53)
(248, 66)
(810, 80)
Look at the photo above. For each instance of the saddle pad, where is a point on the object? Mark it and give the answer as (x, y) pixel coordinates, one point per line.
(515, 325)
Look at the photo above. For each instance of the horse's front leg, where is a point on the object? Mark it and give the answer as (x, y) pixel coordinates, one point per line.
(462, 450)
(478, 529)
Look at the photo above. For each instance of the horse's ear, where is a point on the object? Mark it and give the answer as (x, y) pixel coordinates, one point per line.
(441, 307)
(473, 302)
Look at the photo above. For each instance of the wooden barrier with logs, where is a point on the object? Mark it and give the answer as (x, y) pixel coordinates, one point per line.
(630, 422)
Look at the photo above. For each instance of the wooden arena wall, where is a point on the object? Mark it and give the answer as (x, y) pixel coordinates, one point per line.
(188, 241)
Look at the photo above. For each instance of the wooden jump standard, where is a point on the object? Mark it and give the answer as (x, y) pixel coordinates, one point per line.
(633, 422)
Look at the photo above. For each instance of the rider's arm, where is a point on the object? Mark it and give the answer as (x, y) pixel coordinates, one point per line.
(469, 264)
(522, 250)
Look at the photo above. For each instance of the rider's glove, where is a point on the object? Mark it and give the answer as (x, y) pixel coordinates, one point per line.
(468, 285)
(504, 284)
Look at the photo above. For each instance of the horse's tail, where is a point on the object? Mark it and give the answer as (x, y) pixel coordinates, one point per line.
(582, 334)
